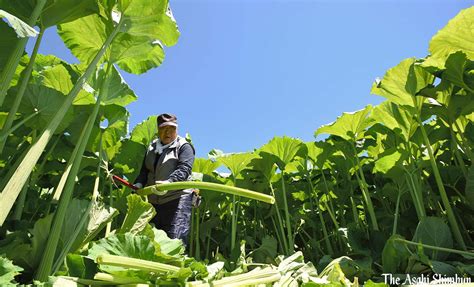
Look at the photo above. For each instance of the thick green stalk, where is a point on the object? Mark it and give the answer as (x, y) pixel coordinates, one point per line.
(355, 215)
(442, 249)
(208, 186)
(442, 191)
(331, 215)
(39, 170)
(16, 182)
(320, 215)
(21, 91)
(12, 168)
(291, 244)
(9, 70)
(365, 192)
(233, 214)
(197, 250)
(20, 203)
(280, 223)
(44, 269)
(414, 192)
(128, 262)
(208, 243)
(456, 155)
(395, 221)
(84, 218)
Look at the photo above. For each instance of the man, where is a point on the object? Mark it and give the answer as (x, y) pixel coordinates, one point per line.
(169, 158)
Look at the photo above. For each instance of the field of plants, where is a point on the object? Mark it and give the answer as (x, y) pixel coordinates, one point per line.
(390, 190)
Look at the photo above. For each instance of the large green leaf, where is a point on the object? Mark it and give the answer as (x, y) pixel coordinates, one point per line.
(205, 166)
(129, 245)
(387, 161)
(139, 213)
(98, 216)
(21, 28)
(8, 271)
(151, 19)
(236, 162)
(85, 36)
(137, 47)
(40, 233)
(401, 83)
(457, 65)
(264, 165)
(165, 246)
(282, 149)
(145, 131)
(63, 11)
(395, 255)
(135, 54)
(457, 35)
(72, 221)
(434, 231)
(349, 126)
(46, 102)
(80, 266)
(116, 118)
(470, 186)
(55, 11)
(7, 43)
(395, 118)
(116, 91)
(127, 161)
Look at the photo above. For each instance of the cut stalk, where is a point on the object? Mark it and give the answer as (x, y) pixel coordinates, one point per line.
(9, 70)
(115, 279)
(16, 182)
(21, 91)
(253, 277)
(86, 282)
(135, 263)
(208, 186)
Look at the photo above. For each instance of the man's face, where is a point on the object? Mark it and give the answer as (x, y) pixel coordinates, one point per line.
(167, 134)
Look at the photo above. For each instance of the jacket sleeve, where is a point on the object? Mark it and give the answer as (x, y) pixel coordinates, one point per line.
(143, 175)
(185, 164)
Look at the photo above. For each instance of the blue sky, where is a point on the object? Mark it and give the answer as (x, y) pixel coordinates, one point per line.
(246, 71)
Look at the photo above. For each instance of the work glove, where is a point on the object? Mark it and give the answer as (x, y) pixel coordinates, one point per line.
(138, 185)
(159, 192)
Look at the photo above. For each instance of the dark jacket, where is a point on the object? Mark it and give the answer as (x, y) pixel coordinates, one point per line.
(175, 163)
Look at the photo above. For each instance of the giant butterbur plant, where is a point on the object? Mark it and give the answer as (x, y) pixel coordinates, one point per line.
(355, 193)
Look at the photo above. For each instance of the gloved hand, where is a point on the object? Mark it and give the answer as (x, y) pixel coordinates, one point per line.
(138, 185)
(159, 192)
